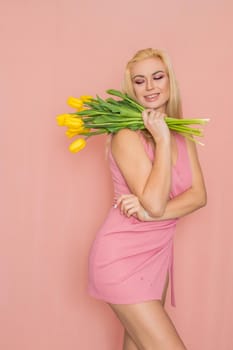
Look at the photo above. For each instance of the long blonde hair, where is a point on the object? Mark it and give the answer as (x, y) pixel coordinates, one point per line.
(174, 107)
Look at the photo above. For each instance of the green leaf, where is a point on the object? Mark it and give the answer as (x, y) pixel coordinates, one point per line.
(115, 93)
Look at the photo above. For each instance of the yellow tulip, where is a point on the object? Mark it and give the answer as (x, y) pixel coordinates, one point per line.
(73, 122)
(72, 132)
(86, 130)
(75, 103)
(86, 98)
(62, 118)
(77, 145)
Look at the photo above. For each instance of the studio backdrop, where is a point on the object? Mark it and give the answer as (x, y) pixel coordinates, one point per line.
(53, 202)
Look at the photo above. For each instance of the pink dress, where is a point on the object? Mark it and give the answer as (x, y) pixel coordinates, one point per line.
(129, 259)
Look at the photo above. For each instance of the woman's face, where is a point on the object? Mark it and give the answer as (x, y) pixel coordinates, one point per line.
(151, 83)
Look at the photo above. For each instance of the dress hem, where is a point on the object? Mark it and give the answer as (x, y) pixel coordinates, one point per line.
(126, 301)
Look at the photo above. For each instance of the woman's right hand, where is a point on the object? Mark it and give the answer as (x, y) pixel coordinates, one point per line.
(155, 124)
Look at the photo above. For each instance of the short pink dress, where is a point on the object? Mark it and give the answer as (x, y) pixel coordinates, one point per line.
(129, 259)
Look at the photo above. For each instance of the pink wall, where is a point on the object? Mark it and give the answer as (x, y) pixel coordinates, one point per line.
(53, 201)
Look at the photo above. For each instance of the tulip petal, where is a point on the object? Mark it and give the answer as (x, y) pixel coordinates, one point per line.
(75, 102)
(62, 118)
(77, 145)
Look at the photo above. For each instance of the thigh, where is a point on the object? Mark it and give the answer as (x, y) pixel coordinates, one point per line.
(128, 343)
(149, 325)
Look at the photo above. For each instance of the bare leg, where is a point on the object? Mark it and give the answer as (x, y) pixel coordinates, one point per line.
(128, 341)
(147, 326)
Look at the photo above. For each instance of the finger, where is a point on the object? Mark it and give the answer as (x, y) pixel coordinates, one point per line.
(155, 114)
(132, 211)
(146, 113)
(126, 199)
(162, 115)
(128, 211)
(131, 207)
(120, 199)
(127, 207)
(144, 116)
(126, 204)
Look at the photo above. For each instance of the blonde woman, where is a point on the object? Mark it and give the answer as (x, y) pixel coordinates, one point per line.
(157, 179)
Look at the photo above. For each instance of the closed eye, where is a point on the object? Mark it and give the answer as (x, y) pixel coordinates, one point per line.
(157, 78)
(139, 82)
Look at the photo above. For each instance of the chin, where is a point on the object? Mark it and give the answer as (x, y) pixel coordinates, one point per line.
(152, 105)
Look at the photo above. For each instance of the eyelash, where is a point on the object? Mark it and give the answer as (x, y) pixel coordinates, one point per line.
(141, 82)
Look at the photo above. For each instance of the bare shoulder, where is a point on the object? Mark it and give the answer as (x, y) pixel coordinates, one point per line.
(124, 137)
(127, 142)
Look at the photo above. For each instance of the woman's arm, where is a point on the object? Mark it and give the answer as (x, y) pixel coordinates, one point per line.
(183, 204)
(149, 182)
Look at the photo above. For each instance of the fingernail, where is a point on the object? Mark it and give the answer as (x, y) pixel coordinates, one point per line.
(115, 206)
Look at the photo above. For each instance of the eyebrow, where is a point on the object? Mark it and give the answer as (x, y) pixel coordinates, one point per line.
(142, 76)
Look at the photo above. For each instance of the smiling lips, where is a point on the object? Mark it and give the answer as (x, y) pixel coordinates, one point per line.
(152, 97)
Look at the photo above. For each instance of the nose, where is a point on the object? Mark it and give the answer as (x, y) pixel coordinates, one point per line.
(149, 84)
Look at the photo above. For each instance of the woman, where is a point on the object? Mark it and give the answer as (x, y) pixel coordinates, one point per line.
(157, 179)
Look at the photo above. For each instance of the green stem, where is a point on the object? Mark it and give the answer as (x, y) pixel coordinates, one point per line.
(186, 130)
(96, 132)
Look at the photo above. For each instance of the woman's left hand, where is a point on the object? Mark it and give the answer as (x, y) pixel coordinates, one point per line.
(129, 205)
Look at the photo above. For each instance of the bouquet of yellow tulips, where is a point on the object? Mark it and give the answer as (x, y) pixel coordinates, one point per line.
(95, 116)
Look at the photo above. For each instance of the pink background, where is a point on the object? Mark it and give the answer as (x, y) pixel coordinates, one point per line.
(53, 202)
